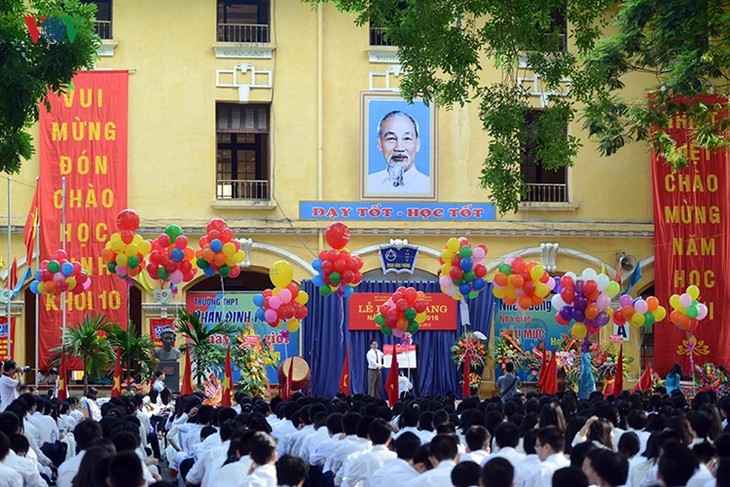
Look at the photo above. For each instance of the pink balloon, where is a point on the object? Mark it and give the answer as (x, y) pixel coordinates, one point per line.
(641, 307)
(478, 254)
(274, 303)
(551, 284)
(176, 277)
(702, 311)
(270, 315)
(685, 300)
(445, 281)
(603, 301)
(86, 285)
(397, 333)
(285, 296)
(121, 271)
(625, 300)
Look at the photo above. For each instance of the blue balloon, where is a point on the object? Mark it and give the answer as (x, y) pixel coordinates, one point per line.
(466, 264)
(318, 280)
(34, 287)
(317, 264)
(258, 300)
(464, 288)
(348, 291)
(67, 269)
(37, 275)
(177, 254)
(209, 272)
(216, 245)
(260, 314)
(478, 284)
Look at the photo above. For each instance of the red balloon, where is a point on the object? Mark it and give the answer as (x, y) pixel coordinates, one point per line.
(529, 288)
(566, 282)
(226, 235)
(218, 224)
(337, 235)
(127, 236)
(354, 263)
(518, 265)
(327, 267)
(410, 295)
(590, 287)
(293, 288)
(128, 220)
(568, 295)
(286, 311)
(340, 265)
(420, 305)
(358, 277)
(559, 319)
(384, 308)
(347, 276)
(456, 273)
(456, 261)
(480, 270)
(401, 304)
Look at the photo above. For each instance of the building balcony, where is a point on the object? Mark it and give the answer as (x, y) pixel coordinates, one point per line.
(243, 189)
(546, 193)
(378, 38)
(254, 33)
(104, 28)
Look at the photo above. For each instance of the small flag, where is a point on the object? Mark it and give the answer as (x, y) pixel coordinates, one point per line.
(635, 276)
(618, 271)
(644, 383)
(618, 384)
(13, 275)
(345, 375)
(551, 378)
(117, 379)
(603, 269)
(31, 224)
(391, 384)
(543, 370)
(227, 381)
(187, 380)
(62, 374)
(466, 383)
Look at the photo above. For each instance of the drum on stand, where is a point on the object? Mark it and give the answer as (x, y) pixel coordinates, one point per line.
(299, 370)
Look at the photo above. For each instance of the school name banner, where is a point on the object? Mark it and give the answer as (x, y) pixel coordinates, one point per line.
(6, 353)
(440, 311)
(237, 307)
(692, 244)
(84, 139)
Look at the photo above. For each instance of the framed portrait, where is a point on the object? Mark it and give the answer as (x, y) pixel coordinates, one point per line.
(398, 148)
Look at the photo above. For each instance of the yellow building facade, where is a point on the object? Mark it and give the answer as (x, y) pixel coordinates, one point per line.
(297, 73)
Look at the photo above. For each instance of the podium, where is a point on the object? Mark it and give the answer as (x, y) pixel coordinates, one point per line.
(171, 368)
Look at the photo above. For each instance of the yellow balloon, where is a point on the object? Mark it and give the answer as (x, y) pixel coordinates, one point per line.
(637, 321)
(116, 237)
(693, 291)
(674, 301)
(453, 245)
(292, 325)
(579, 330)
(541, 290)
(239, 256)
(537, 272)
(302, 297)
(145, 247)
(660, 313)
(71, 281)
(445, 269)
(281, 273)
(510, 292)
(229, 250)
(498, 293)
(137, 239)
(447, 255)
(421, 317)
(121, 260)
(117, 246)
(131, 250)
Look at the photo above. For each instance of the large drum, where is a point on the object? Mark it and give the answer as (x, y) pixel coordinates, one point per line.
(300, 373)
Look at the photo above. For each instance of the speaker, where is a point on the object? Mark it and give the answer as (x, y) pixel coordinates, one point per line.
(628, 263)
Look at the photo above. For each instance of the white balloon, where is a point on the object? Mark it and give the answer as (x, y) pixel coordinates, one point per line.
(589, 274)
(557, 302)
(571, 275)
(602, 280)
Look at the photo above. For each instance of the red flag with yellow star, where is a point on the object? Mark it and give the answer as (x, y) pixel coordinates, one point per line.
(117, 379)
(227, 381)
(345, 375)
(62, 392)
(391, 384)
(187, 379)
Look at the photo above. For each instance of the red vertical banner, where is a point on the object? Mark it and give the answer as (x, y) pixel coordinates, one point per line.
(692, 244)
(84, 139)
(6, 354)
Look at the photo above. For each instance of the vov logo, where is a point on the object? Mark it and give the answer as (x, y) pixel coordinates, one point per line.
(52, 29)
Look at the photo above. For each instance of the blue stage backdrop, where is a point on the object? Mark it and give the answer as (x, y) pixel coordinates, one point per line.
(325, 336)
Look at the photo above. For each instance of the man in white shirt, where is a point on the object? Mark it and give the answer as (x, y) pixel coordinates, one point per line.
(320, 453)
(349, 428)
(232, 473)
(262, 450)
(310, 443)
(375, 365)
(443, 453)
(351, 451)
(531, 463)
(506, 438)
(477, 444)
(367, 464)
(399, 470)
(213, 458)
(85, 433)
(9, 384)
(549, 447)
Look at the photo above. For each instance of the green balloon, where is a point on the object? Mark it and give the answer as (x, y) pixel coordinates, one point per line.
(380, 320)
(325, 290)
(412, 327)
(648, 318)
(387, 331)
(133, 262)
(693, 311)
(173, 231)
(409, 314)
(202, 263)
(335, 278)
(112, 267)
(162, 273)
(224, 270)
(469, 276)
(54, 266)
(505, 269)
(465, 251)
(473, 294)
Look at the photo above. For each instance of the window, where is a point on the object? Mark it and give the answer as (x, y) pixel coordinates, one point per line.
(103, 17)
(552, 39)
(543, 185)
(377, 31)
(242, 158)
(243, 20)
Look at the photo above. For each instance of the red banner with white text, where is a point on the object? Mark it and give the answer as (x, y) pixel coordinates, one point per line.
(441, 311)
(692, 245)
(4, 352)
(84, 139)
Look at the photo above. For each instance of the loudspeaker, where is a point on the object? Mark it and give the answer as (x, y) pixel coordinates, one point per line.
(628, 263)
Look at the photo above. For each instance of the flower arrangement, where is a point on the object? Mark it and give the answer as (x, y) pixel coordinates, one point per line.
(605, 359)
(709, 377)
(212, 390)
(568, 362)
(656, 382)
(475, 380)
(507, 348)
(130, 387)
(252, 355)
(469, 345)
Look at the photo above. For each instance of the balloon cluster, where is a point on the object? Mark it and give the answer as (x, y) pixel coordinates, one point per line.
(462, 268)
(403, 312)
(124, 253)
(59, 275)
(219, 253)
(337, 269)
(171, 259)
(522, 283)
(687, 311)
(286, 302)
(586, 301)
(639, 312)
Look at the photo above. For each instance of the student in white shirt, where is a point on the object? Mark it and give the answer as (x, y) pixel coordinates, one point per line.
(367, 464)
(125, 469)
(477, 444)
(262, 450)
(291, 471)
(233, 471)
(611, 468)
(320, 453)
(498, 471)
(9, 384)
(506, 438)
(531, 464)
(86, 433)
(8, 476)
(443, 453)
(549, 446)
(401, 469)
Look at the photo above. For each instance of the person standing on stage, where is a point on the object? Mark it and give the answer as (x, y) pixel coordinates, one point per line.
(375, 364)
(509, 383)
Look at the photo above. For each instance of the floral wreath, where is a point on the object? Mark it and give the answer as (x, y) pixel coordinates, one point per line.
(469, 345)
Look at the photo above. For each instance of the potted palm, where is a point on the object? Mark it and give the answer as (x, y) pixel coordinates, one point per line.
(136, 350)
(204, 352)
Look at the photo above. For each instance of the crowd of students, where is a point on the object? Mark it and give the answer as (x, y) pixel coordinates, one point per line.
(526, 441)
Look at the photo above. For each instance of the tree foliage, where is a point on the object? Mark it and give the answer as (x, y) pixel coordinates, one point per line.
(445, 47)
(28, 70)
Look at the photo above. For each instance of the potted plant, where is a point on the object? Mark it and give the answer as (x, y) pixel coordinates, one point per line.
(136, 351)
